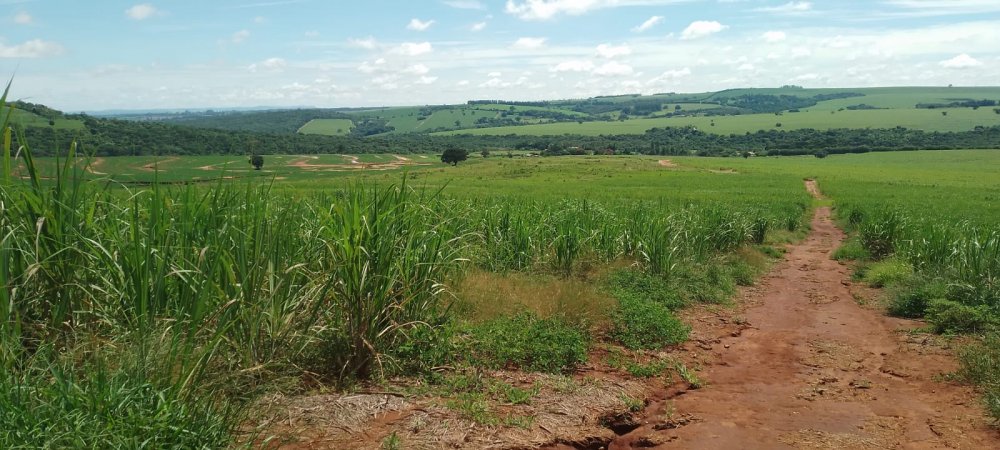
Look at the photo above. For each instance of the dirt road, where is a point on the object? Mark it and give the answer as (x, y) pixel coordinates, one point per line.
(816, 370)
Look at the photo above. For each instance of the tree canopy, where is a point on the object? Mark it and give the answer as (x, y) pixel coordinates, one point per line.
(454, 155)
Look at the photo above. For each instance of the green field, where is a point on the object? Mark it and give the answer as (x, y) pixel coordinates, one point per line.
(27, 119)
(328, 127)
(191, 303)
(958, 119)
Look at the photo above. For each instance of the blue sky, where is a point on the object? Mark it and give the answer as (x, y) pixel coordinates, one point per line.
(93, 55)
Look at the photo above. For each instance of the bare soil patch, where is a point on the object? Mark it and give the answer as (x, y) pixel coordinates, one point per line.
(816, 370)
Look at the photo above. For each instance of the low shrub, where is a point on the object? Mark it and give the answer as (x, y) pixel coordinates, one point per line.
(106, 409)
(851, 250)
(911, 301)
(981, 366)
(639, 324)
(633, 284)
(528, 342)
(953, 317)
(888, 272)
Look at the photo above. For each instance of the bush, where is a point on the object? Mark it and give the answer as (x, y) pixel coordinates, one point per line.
(888, 272)
(632, 284)
(953, 317)
(528, 342)
(851, 250)
(981, 366)
(912, 301)
(55, 409)
(641, 324)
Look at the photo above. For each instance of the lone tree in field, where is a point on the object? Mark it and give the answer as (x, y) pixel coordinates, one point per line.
(257, 161)
(454, 155)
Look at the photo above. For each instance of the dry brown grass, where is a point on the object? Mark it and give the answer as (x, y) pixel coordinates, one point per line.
(483, 296)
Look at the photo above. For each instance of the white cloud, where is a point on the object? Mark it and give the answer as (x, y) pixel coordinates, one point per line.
(368, 43)
(260, 19)
(547, 9)
(648, 24)
(670, 76)
(23, 18)
(963, 61)
(573, 66)
(35, 48)
(270, 65)
(465, 4)
(494, 75)
(462, 83)
(478, 26)
(529, 43)
(774, 36)
(372, 67)
(702, 28)
(419, 25)
(801, 52)
(417, 69)
(427, 80)
(611, 51)
(413, 48)
(789, 8)
(240, 36)
(142, 11)
(746, 67)
(613, 68)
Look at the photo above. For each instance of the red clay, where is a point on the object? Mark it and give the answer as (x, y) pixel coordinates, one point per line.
(815, 370)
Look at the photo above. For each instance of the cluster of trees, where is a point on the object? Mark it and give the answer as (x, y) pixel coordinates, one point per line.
(975, 104)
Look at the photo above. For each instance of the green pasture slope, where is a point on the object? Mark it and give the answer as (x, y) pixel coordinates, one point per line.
(327, 127)
(27, 119)
(899, 109)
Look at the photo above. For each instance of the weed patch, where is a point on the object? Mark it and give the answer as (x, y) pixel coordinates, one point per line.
(528, 342)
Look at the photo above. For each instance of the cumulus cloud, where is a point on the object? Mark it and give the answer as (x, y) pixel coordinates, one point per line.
(788, 8)
(547, 9)
(23, 18)
(670, 76)
(142, 11)
(426, 80)
(963, 61)
(774, 36)
(413, 48)
(240, 36)
(478, 26)
(529, 43)
(368, 43)
(35, 48)
(613, 68)
(419, 25)
(417, 69)
(611, 51)
(372, 67)
(269, 65)
(648, 24)
(702, 28)
(573, 66)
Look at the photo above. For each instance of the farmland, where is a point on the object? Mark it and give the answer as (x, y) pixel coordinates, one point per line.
(821, 118)
(260, 276)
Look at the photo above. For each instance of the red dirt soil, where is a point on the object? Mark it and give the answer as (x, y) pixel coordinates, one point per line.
(815, 370)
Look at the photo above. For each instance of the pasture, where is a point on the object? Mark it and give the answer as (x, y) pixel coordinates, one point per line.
(820, 118)
(328, 127)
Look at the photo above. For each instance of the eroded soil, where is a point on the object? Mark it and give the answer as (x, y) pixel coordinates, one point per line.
(815, 370)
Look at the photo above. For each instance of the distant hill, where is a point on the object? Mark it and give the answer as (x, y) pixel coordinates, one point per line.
(723, 112)
(787, 120)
